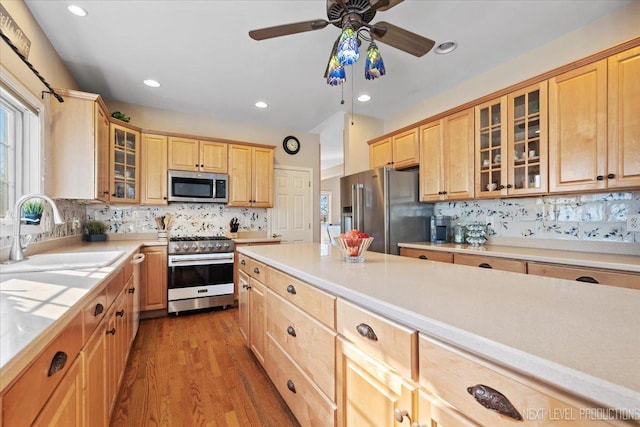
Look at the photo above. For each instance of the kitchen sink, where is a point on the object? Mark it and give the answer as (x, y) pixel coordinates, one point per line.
(62, 261)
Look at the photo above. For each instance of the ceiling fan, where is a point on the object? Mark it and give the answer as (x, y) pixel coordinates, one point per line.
(358, 14)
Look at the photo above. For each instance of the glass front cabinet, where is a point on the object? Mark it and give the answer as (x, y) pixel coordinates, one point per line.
(511, 144)
(125, 160)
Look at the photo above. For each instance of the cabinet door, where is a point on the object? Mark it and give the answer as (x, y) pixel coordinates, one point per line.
(183, 154)
(406, 149)
(243, 305)
(153, 159)
(490, 144)
(458, 155)
(624, 120)
(111, 346)
(257, 318)
(526, 155)
(431, 158)
(213, 157)
(368, 393)
(381, 154)
(435, 413)
(262, 177)
(240, 175)
(95, 372)
(102, 153)
(578, 129)
(153, 279)
(65, 405)
(125, 161)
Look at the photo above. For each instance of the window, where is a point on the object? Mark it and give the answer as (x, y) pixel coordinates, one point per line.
(20, 142)
(325, 206)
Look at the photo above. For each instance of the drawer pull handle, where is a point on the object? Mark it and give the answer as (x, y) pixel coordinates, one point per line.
(291, 386)
(111, 331)
(256, 270)
(291, 331)
(120, 313)
(366, 331)
(587, 279)
(291, 289)
(57, 363)
(494, 401)
(99, 309)
(423, 257)
(243, 262)
(485, 265)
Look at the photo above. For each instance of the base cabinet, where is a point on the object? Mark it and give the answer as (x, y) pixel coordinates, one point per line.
(153, 279)
(257, 318)
(65, 406)
(95, 370)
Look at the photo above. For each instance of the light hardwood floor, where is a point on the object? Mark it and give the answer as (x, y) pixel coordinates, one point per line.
(194, 370)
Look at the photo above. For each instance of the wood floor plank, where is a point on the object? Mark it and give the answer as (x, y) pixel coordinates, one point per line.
(194, 370)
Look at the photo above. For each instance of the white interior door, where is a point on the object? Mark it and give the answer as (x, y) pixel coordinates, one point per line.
(291, 216)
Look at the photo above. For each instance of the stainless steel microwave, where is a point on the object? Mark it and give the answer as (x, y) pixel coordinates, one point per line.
(198, 187)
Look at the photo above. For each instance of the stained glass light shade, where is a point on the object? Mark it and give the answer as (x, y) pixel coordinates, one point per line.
(374, 66)
(336, 74)
(348, 46)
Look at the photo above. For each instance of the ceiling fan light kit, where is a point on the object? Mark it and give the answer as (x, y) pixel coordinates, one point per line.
(353, 18)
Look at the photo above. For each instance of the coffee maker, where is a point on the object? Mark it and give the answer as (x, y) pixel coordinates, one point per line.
(441, 230)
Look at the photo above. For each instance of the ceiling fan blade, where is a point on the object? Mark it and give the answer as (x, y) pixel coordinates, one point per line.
(286, 29)
(401, 39)
(384, 4)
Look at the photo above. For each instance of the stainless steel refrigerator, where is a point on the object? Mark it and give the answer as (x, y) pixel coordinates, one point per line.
(384, 203)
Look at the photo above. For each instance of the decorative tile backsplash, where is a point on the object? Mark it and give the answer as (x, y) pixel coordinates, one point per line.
(601, 216)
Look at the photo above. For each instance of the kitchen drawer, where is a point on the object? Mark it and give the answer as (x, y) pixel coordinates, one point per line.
(114, 287)
(448, 373)
(243, 263)
(587, 275)
(310, 406)
(92, 314)
(427, 254)
(434, 412)
(22, 402)
(307, 341)
(503, 264)
(311, 300)
(383, 339)
(257, 270)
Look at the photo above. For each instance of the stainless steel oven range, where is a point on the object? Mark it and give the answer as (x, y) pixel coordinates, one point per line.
(200, 273)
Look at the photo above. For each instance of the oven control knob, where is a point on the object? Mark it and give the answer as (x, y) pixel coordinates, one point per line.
(226, 245)
(210, 245)
(185, 246)
(217, 245)
(194, 246)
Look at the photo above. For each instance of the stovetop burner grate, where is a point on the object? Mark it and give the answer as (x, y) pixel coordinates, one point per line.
(197, 238)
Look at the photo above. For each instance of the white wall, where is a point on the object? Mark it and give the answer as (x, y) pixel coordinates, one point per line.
(357, 131)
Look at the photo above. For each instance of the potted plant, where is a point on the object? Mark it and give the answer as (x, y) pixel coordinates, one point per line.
(32, 211)
(94, 231)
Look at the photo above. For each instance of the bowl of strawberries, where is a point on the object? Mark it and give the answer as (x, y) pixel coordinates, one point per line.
(353, 245)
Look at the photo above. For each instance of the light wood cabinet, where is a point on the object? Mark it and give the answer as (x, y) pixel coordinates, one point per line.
(243, 305)
(153, 166)
(504, 264)
(578, 129)
(95, 371)
(433, 412)
(65, 407)
(237, 261)
(400, 151)
(125, 164)
(195, 155)
(427, 254)
(623, 149)
(153, 279)
(257, 318)
(368, 392)
(250, 176)
(586, 275)
(447, 158)
(78, 166)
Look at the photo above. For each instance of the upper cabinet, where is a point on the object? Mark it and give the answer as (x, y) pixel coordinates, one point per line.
(194, 155)
(400, 151)
(446, 158)
(578, 129)
(125, 162)
(250, 176)
(78, 163)
(153, 167)
(624, 119)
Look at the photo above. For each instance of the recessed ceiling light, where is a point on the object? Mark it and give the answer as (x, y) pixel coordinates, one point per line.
(261, 104)
(446, 47)
(364, 98)
(151, 83)
(77, 10)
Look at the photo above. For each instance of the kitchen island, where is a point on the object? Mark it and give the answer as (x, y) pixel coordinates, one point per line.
(577, 339)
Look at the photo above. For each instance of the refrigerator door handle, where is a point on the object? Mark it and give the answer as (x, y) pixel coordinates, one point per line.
(354, 204)
(359, 213)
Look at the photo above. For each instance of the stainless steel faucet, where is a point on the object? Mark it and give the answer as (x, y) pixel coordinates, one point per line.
(15, 253)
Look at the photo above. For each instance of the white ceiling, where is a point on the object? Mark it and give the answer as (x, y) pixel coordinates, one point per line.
(202, 55)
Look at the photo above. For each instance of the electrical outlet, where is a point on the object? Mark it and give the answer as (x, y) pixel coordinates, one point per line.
(633, 222)
(75, 224)
(490, 222)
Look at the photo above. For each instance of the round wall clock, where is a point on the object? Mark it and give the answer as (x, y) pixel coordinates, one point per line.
(291, 145)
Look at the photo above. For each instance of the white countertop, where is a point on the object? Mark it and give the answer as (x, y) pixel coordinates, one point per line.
(576, 258)
(34, 306)
(576, 337)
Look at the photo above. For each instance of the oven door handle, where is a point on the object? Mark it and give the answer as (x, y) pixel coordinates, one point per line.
(186, 262)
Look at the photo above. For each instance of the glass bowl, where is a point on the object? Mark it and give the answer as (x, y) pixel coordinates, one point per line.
(353, 249)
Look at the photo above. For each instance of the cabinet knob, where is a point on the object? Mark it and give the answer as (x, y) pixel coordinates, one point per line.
(440, 193)
(243, 262)
(444, 192)
(485, 265)
(57, 362)
(99, 309)
(291, 289)
(132, 290)
(399, 414)
(113, 195)
(587, 279)
(196, 165)
(256, 270)
(120, 313)
(501, 187)
(164, 198)
(509, 186)
(291, 331)
(494, 400)
(600, 177)
(423, 257)
(611, 176)
(366, 331)
(106, 193)
(111, 331)
(291, 386)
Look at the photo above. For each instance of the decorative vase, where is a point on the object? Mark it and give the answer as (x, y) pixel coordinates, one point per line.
(32, 219)
(95, 237)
